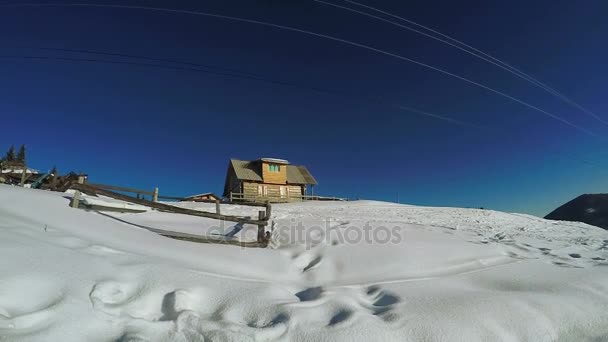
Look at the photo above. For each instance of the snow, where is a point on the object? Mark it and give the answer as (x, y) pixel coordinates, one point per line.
(275, 160)
(447, 274)
(28, 170)
(111, 203)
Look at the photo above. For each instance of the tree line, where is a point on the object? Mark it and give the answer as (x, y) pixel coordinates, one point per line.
(15, 157)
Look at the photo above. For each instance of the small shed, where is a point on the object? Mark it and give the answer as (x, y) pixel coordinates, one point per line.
(205, 197)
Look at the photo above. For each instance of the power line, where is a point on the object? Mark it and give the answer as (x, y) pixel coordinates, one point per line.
(467, 48)
(154, 59)
(251, 77)
(320, 35)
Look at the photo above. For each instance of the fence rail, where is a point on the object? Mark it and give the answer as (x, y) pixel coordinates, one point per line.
(155, 194)
(243, 198)
(121, 188)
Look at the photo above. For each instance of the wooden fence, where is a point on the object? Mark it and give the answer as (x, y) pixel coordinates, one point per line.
(252, 199)
(155, 195)
(261, 221)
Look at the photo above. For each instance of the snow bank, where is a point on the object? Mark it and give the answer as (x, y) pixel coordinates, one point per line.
(110, 203)
(452, 275)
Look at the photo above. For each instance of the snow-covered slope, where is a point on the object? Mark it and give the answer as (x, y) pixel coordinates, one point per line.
(355, 271)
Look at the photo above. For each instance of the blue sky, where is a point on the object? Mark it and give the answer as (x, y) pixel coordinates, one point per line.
(144, 126)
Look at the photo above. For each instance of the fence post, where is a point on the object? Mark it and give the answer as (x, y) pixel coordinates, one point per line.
(75, 202)
(268, 210)
(261, 215)
(217, 206)
(23, 174)
(230, 196)
(155, 195)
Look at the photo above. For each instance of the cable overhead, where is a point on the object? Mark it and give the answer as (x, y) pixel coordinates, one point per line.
(154, 59)
(315, 34)
(466, 48)
(251, 77)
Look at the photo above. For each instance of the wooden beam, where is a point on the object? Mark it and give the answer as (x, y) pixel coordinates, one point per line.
(268, 211)
(251, 204)
(155, 195)
(122, 188)
(75, 202)
(261, 237)
(24, 176)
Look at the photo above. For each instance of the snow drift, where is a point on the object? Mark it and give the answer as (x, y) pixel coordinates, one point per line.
(452, 275)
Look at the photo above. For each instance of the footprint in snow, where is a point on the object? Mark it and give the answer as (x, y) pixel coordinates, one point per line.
(309, 294)
(306, 261)
(341, 316)
(382, 302)
(182, 315)
(34, 312)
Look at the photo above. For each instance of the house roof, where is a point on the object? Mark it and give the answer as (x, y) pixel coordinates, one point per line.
(275, 160)
(245, 170)
(249, 170)
(203, 194)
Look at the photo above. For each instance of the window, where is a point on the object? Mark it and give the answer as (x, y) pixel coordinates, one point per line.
(274, 168)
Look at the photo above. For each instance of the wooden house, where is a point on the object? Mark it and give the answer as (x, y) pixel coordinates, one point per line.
(267, 179)
(15, 172)
(205, 197)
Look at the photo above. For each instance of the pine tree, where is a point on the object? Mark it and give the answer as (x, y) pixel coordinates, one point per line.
(10, 155)
(21, 154)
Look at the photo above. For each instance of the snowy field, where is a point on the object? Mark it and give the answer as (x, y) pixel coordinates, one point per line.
(335, 271)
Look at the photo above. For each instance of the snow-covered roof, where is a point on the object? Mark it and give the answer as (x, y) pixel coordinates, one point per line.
(20, 170)
(275, 160)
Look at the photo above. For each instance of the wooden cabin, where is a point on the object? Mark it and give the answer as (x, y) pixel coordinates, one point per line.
(206, 197)
(267, 179)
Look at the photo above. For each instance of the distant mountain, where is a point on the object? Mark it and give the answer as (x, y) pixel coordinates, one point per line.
(589, 208)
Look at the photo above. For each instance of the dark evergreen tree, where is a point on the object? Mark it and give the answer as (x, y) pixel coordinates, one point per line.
(21, 155)
(10, 155)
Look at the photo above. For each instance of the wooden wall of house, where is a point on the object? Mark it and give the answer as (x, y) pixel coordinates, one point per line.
(250, 190)
(274, 177)
(293, 193)
(234, 184)
(202, 198)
